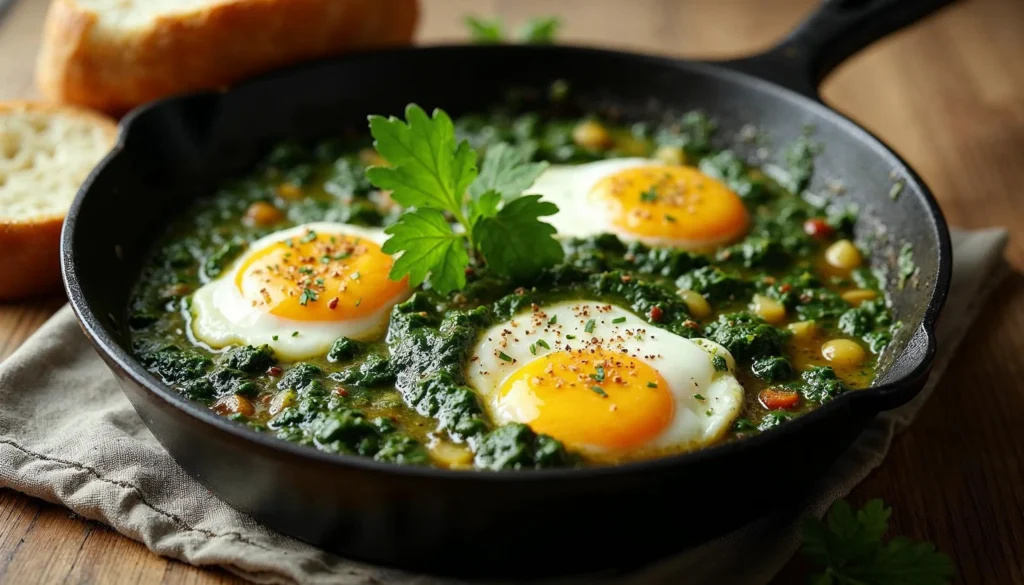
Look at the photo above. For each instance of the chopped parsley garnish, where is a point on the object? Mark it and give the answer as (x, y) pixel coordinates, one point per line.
(597, 390)
(570, 337)
(274, 338)
(652, 384)
(553, 320)
(305, 270)
(669, 218)
(905, 265)
(598, 375)
(308, 294)
(649, 196)
(719, 363)
(619, 320)
(543, 344)
(359, 301)
(897, 188)
(355, 275)
(533, 349)
(698, 397)
(743, 424)
(431, 174)
(309, 237)
(295, 333)
(589, 327)
(504, 356)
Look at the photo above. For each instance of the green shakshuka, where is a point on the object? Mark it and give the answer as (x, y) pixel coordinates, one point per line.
(513, 290)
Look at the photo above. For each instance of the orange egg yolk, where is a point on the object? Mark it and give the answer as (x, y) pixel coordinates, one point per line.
(319, 277)
(672, 204)
(589, 397)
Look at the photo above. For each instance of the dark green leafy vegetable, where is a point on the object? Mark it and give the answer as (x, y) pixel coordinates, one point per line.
(820, 384)
(250, 359)
(716, 284)
(771, 368)
(515, 446)
(344, 349)
(746, 336)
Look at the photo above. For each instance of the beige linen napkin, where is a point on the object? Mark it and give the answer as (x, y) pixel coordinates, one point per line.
(69, 436)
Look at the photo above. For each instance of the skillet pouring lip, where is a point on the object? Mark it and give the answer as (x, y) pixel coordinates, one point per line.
(105, 340)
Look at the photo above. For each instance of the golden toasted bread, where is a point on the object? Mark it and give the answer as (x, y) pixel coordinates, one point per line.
(113, 55)
(46, 151)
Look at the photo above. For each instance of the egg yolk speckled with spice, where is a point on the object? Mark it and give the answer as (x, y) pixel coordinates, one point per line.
(672, 205)
(590, 396)
(318, 277)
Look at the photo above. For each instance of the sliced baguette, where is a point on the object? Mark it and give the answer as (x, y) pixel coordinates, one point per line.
(46, 151)
(113, 55)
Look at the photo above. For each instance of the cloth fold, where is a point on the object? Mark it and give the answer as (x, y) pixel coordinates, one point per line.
(69, 436)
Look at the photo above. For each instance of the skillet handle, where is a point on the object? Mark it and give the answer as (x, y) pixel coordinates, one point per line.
(830, 35)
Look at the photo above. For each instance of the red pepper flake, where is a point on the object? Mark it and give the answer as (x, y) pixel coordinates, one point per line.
(469, 271)
(333, 303)
(340, 391)
(817, 227)
(785, 288)
(274, 371)
(656, 314)
(626, 278)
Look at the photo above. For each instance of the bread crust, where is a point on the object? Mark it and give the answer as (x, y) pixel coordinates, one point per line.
(115, 70)
(30, 249)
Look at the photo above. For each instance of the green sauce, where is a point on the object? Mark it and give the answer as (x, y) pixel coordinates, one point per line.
(404, 399)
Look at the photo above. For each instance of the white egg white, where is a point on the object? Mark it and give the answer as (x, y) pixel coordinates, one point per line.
(569, 186)
(220, 316)
(707, 401)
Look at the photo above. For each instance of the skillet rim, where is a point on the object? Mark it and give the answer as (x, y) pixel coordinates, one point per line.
(103, 340)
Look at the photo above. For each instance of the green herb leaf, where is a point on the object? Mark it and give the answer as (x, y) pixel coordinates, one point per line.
(429, 250)
(543, 344)
(486, 205)
(849, 546)
(515, 243)
(905, 265)
(589, 327)
(540, 31)
(504, 356)
(598, 375)
(506, 169)
(597, 390)
(485, 32)
(428, 168)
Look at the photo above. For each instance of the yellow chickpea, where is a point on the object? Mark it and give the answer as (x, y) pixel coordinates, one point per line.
(289, 191)
(591, 135)
(768, 309)
(281, 401)
(670, 155)
(233, 404)
(454, 456)
(843, 255)
(262, 213)
(857, 296)
(696, 303)
(843, 353)
(803, 330)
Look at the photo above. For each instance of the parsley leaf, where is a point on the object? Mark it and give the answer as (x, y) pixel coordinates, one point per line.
(428, 246)
(428, 168)
(506, 169)
(515, 243)
(540, 31)
(430, 174)
(849, 546)
(485, 32)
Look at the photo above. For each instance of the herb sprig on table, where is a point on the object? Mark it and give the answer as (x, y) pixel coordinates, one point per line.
(435, 179)
(536, 31)
(848, 545)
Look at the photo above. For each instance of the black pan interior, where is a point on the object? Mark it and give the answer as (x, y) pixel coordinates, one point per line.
(178, 149)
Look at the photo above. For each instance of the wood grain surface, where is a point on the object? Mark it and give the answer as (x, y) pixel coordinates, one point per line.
(947, 94)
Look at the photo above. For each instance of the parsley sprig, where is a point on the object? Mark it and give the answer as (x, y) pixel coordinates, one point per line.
(536, 31)
(435, 179)
(848, 545)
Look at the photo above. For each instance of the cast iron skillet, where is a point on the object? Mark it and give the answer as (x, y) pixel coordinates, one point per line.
(507, 524)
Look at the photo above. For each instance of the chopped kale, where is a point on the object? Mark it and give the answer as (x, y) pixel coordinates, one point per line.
(176, 365)
(760, 252)
(727, 167)
(515, 446)
(376, 370)
(669, 262)
(799, 160)
(716, 284)
(693, 133)
(250, 359)
(820, 384)
(455, 407)
(771, 368)
(748, 337)
(303, 377)
(344, 349)
(773, 419)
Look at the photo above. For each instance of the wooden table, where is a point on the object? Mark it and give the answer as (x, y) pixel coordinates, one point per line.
(947, 94)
